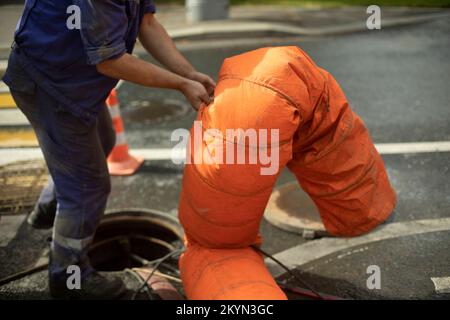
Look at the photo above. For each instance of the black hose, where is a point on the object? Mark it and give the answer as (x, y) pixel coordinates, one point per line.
(24, 273)
(158, 263)
(318, 295)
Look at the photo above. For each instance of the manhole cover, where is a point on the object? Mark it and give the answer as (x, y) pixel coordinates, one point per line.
(291, 209)
(146, 112)
(21, 183)
(133, 238)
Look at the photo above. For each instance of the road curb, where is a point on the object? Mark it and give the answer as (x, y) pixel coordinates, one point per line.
(313, 250)
(230, 28)
(250, 29)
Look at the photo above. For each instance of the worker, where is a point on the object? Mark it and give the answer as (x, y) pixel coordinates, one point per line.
(317, 137)
(66, 58)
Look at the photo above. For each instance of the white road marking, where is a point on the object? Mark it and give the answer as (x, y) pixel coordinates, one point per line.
(313, 250)
(12, 118)
(413, 147)
(3, 65)
(161, 154)
(441, 285)
(8, 155)
(15, 154)
(3, 87)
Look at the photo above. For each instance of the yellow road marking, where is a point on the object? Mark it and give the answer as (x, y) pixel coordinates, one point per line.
(6, 101)
(17, 138)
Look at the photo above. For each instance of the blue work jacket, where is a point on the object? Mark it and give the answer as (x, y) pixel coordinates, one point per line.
(59, 42)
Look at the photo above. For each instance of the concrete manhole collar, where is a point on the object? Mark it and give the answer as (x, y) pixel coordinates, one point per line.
(291, 209)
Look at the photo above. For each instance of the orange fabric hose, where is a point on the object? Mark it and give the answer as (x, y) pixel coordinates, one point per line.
(227, 274)
(321, 140)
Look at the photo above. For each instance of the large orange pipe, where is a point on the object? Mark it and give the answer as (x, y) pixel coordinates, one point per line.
(322, 141)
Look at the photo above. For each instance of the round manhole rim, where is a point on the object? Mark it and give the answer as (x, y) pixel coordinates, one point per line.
(108, 236)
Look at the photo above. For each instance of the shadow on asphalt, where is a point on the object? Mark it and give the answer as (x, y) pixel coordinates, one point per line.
(332, 286)
(5, 2)
(148, 167)
(24, 250)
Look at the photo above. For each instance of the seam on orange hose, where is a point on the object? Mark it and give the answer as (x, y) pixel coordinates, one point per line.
(324, 97)
(350, 186)
(223, 290)
(280, 143)
(200, 271)
(365, 226)
(239, 284)
(304, 55)
(215, 223)
(213, 246)
(205, 244)
(368, 224)
(284, 95)
(350, 122)
(343, 137)
(193, 166)
(324, 94)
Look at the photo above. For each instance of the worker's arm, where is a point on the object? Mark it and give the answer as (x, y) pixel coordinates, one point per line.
(158, 43)
(130, 68)
(104, 28)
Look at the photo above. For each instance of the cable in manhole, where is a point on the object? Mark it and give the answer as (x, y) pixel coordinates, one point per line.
(21, 183)
(146, 112)
(133, 238)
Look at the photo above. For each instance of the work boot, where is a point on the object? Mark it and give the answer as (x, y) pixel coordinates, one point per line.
(43, 216)
(95, 286)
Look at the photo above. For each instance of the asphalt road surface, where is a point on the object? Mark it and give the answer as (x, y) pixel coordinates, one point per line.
(397, 80)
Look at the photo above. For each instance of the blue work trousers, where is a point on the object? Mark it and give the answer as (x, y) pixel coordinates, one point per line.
(75, 153)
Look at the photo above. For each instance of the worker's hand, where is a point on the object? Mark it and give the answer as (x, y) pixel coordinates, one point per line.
(196, 93)
(205, 80)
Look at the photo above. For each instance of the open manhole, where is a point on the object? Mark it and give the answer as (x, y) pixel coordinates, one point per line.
(133, 238)
(21, 183)
(147, 112)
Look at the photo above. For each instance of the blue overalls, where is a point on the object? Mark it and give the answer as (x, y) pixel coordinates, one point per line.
(53, 79)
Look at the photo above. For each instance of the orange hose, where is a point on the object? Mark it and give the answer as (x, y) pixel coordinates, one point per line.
(321, 140)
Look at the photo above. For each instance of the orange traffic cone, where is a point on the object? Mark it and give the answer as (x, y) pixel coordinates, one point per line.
(120, 162)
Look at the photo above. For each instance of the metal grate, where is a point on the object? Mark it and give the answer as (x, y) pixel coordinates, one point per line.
(20, 185)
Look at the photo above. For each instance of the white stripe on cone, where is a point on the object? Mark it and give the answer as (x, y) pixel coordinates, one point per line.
(114, 111)
(120, 138)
